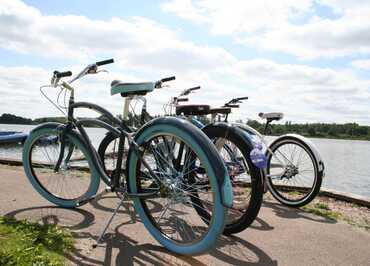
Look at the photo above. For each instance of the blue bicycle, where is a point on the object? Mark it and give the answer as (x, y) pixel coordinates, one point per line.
(168, 164)
(232, 144)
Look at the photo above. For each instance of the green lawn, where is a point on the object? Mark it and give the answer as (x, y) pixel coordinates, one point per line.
(26, 243)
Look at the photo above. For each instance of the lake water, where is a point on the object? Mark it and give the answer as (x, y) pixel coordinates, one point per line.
(347, 162)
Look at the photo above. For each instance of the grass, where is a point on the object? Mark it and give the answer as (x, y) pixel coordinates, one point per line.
(26, 243)
(322, 209)
(294, 193)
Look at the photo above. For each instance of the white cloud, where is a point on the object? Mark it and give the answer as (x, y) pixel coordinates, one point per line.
(228, 17)
(135, 42)
(186, 10)
(320, 38)
(148, 49)
(272, 25)
(361, 64)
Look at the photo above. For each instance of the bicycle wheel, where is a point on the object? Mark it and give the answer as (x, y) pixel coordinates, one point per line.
(75, 180)
(175, 150)
(246, 179)
(292, 172)
(108, 153)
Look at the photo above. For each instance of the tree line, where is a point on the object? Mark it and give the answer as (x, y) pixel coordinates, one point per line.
(318, 130)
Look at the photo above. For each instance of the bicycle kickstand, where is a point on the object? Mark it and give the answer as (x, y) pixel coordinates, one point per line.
(109, 222)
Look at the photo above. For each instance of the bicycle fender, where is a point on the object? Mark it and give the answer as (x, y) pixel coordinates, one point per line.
(60, 127)
(221, 173)
(311, 145)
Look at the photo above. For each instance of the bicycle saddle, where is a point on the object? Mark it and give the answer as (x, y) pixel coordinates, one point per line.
(271, 116)
(192, 109)
(128, 89)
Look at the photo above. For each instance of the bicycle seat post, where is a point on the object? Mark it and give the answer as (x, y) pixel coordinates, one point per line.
(126, 109)
(268, 122)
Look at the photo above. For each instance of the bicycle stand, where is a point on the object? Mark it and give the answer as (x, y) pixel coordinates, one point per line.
(111, 219)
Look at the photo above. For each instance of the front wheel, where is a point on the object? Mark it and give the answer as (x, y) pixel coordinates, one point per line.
(74, 181)
(293, 177)
(183, 163)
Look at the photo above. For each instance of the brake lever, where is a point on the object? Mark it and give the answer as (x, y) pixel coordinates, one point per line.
(103, 70)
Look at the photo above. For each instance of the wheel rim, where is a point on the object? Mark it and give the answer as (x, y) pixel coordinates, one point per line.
(177, 218)
(240, 178)
(72, 181)
(292, 171)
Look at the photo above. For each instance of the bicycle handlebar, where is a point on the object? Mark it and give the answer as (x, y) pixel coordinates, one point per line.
(168, 79)
(194, 88)
(158, 84)
(182, 99)
(242, 98)
(235, 100)
(58, 74)
(105, 62)
(231, 105)
(188, 91)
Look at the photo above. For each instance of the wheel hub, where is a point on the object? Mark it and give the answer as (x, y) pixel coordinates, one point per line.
(290, 171)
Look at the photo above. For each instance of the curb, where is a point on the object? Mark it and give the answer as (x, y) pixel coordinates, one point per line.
(331, 193)
(345, 196)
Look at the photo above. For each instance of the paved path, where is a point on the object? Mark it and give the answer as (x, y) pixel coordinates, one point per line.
(280, 236)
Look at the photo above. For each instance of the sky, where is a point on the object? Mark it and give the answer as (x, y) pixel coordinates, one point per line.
(309, 59)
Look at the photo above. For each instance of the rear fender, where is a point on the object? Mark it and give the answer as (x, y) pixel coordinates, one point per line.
(311, 145)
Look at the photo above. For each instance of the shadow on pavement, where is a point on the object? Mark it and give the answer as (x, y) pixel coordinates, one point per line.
(121, 249)
(231, 250)
(105, 204)
(237, 251)
(260, 224)
(72, 219)
(295, 213)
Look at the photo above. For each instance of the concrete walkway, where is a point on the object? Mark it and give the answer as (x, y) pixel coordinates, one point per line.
(280, 236)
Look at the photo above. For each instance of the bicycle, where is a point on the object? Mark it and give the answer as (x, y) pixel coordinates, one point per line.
(286, 175)
(67, 172)
(246, 178)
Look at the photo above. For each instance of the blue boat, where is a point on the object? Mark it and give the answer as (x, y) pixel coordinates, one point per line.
(9, 137)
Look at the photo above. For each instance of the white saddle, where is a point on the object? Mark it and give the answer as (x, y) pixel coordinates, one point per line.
(271, 116)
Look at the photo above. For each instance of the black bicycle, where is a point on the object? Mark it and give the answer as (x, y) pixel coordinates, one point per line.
(168, 164)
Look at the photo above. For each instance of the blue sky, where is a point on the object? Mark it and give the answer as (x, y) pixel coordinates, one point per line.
(308, 59)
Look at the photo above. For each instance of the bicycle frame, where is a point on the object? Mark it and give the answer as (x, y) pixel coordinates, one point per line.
(253, 132)
(122, 132)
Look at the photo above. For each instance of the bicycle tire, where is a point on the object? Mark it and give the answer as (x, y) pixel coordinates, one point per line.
(206, 152)
(30, 166)
(242, 142)
(274, 188)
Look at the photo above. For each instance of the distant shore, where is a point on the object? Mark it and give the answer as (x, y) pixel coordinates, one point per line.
(347, 131)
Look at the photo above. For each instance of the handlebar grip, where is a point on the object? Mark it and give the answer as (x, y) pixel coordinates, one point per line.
(194, 88)
(168, 79)
(243, 98)
(62, 74)
(182, 99)
(232, 105)
(105, 62)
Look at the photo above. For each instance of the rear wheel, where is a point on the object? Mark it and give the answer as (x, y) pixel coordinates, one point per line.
(292, 172)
